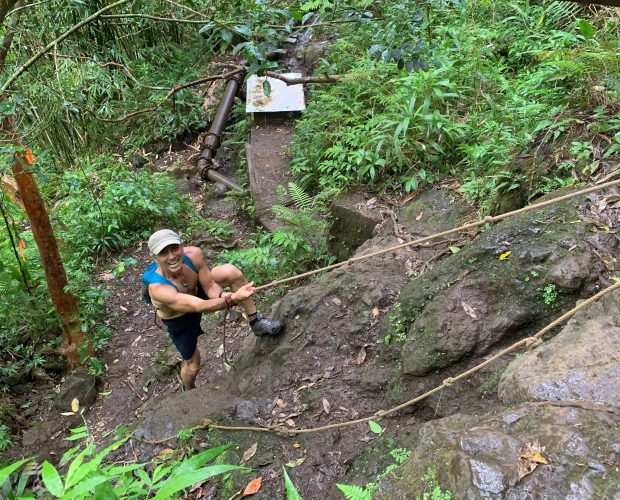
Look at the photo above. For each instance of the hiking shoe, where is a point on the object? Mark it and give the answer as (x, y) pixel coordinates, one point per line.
(262, 325)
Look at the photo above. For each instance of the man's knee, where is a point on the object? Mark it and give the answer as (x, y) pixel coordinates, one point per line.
(228, 274)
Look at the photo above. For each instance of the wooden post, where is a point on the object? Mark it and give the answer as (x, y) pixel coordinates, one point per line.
(65, 303)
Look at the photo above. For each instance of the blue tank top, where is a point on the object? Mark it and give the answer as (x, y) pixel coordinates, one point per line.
(151, 277)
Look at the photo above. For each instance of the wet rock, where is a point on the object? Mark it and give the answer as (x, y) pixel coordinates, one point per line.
(78, 386)
(582, 362)
(483, 458)
(332, 318)
(434, 211)
(166, 416)
(475, 298)
(354, 221)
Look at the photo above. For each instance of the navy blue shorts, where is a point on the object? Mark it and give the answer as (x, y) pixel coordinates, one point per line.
(184, 332)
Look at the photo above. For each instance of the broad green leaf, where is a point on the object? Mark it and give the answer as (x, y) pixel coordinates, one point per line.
(68, 455)
(178, 482)
(75, 437)
(455, 249)
(291, 492)
(266, 87)
(92, 465)
(85, 485)
(587, 30)
(9, 469)
(51, 479)
(375, 427)
(76, 464)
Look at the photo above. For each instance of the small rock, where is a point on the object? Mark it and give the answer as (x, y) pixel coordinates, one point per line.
(81, 387)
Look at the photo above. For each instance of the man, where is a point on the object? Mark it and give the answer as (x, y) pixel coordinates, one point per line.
(181, 287)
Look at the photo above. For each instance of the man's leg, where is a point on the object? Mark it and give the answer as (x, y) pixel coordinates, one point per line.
(228, 275)
(189, 369)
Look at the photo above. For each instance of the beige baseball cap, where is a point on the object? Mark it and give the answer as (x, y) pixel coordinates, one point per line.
(161, 239)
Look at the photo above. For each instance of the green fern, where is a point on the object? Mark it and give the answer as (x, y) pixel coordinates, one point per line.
(301, 199)
(316, 5)
(352, 492)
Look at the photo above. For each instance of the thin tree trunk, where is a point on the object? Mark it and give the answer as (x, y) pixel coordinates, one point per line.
(65, 303)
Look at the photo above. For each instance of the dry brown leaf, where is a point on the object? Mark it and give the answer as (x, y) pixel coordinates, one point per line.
(165, 454)
(326, 406)
(123, 308)
(75, 405)
(419, 216)
(290, 422)
(249, 453)
(530, 456)
(296, 445)
(253, 487)
(106, 276)
(361, 355)
(337, 301)
(375, 312)
(469, 310)
(279, 403)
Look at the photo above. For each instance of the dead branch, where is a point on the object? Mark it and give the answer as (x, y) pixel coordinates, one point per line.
(187, 8)
(305, 79)
(327, 23)
(22, 7)
(114, 64)
(205, 79)
(55, 42)
(154, 18)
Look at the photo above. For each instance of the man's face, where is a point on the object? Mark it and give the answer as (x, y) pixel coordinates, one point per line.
(171, 258)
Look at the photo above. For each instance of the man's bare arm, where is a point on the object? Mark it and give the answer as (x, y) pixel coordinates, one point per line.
(184, 303)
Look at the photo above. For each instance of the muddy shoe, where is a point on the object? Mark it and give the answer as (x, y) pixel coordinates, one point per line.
(262, 325)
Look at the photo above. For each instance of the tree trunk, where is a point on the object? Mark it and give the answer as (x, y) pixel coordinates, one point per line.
(65, 303)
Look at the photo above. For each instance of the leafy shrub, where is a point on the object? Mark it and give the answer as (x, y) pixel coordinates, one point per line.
(88, 475)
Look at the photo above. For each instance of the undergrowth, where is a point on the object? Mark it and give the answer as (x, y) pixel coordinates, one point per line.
(460, 89)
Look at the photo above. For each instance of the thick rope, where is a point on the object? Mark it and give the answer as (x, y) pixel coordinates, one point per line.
(532, 342)
(487, 220)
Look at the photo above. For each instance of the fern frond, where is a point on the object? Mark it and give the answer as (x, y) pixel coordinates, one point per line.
(301, 199)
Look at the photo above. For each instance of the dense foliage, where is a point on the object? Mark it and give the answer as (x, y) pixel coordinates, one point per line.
(474, 91)
(460, 89)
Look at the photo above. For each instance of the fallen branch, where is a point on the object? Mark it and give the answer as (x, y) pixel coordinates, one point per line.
(114, 64)
(55, 42)
(154, 18)
(305, 79)
(22, 7)
(205, 79)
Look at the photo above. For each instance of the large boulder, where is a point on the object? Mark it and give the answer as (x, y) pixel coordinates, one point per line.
(330, 320)
(512, 279)
(529, 451)
(581, 363)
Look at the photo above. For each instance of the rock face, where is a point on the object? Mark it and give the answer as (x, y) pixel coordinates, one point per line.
(354, 218)
(581, 363)
(335, 316)
(510, 280)
(495, 457)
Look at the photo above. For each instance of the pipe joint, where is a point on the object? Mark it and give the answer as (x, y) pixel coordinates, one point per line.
(212, 141)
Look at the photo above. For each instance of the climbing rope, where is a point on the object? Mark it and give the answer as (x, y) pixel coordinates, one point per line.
(530, 342)
(487, 220)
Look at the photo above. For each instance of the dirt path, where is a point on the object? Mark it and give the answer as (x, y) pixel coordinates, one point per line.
(141, 362)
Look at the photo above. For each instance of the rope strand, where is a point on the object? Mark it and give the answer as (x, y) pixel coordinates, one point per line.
(487, 220)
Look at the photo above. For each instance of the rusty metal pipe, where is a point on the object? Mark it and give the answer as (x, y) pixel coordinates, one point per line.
(212, 140)
(215, 176)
